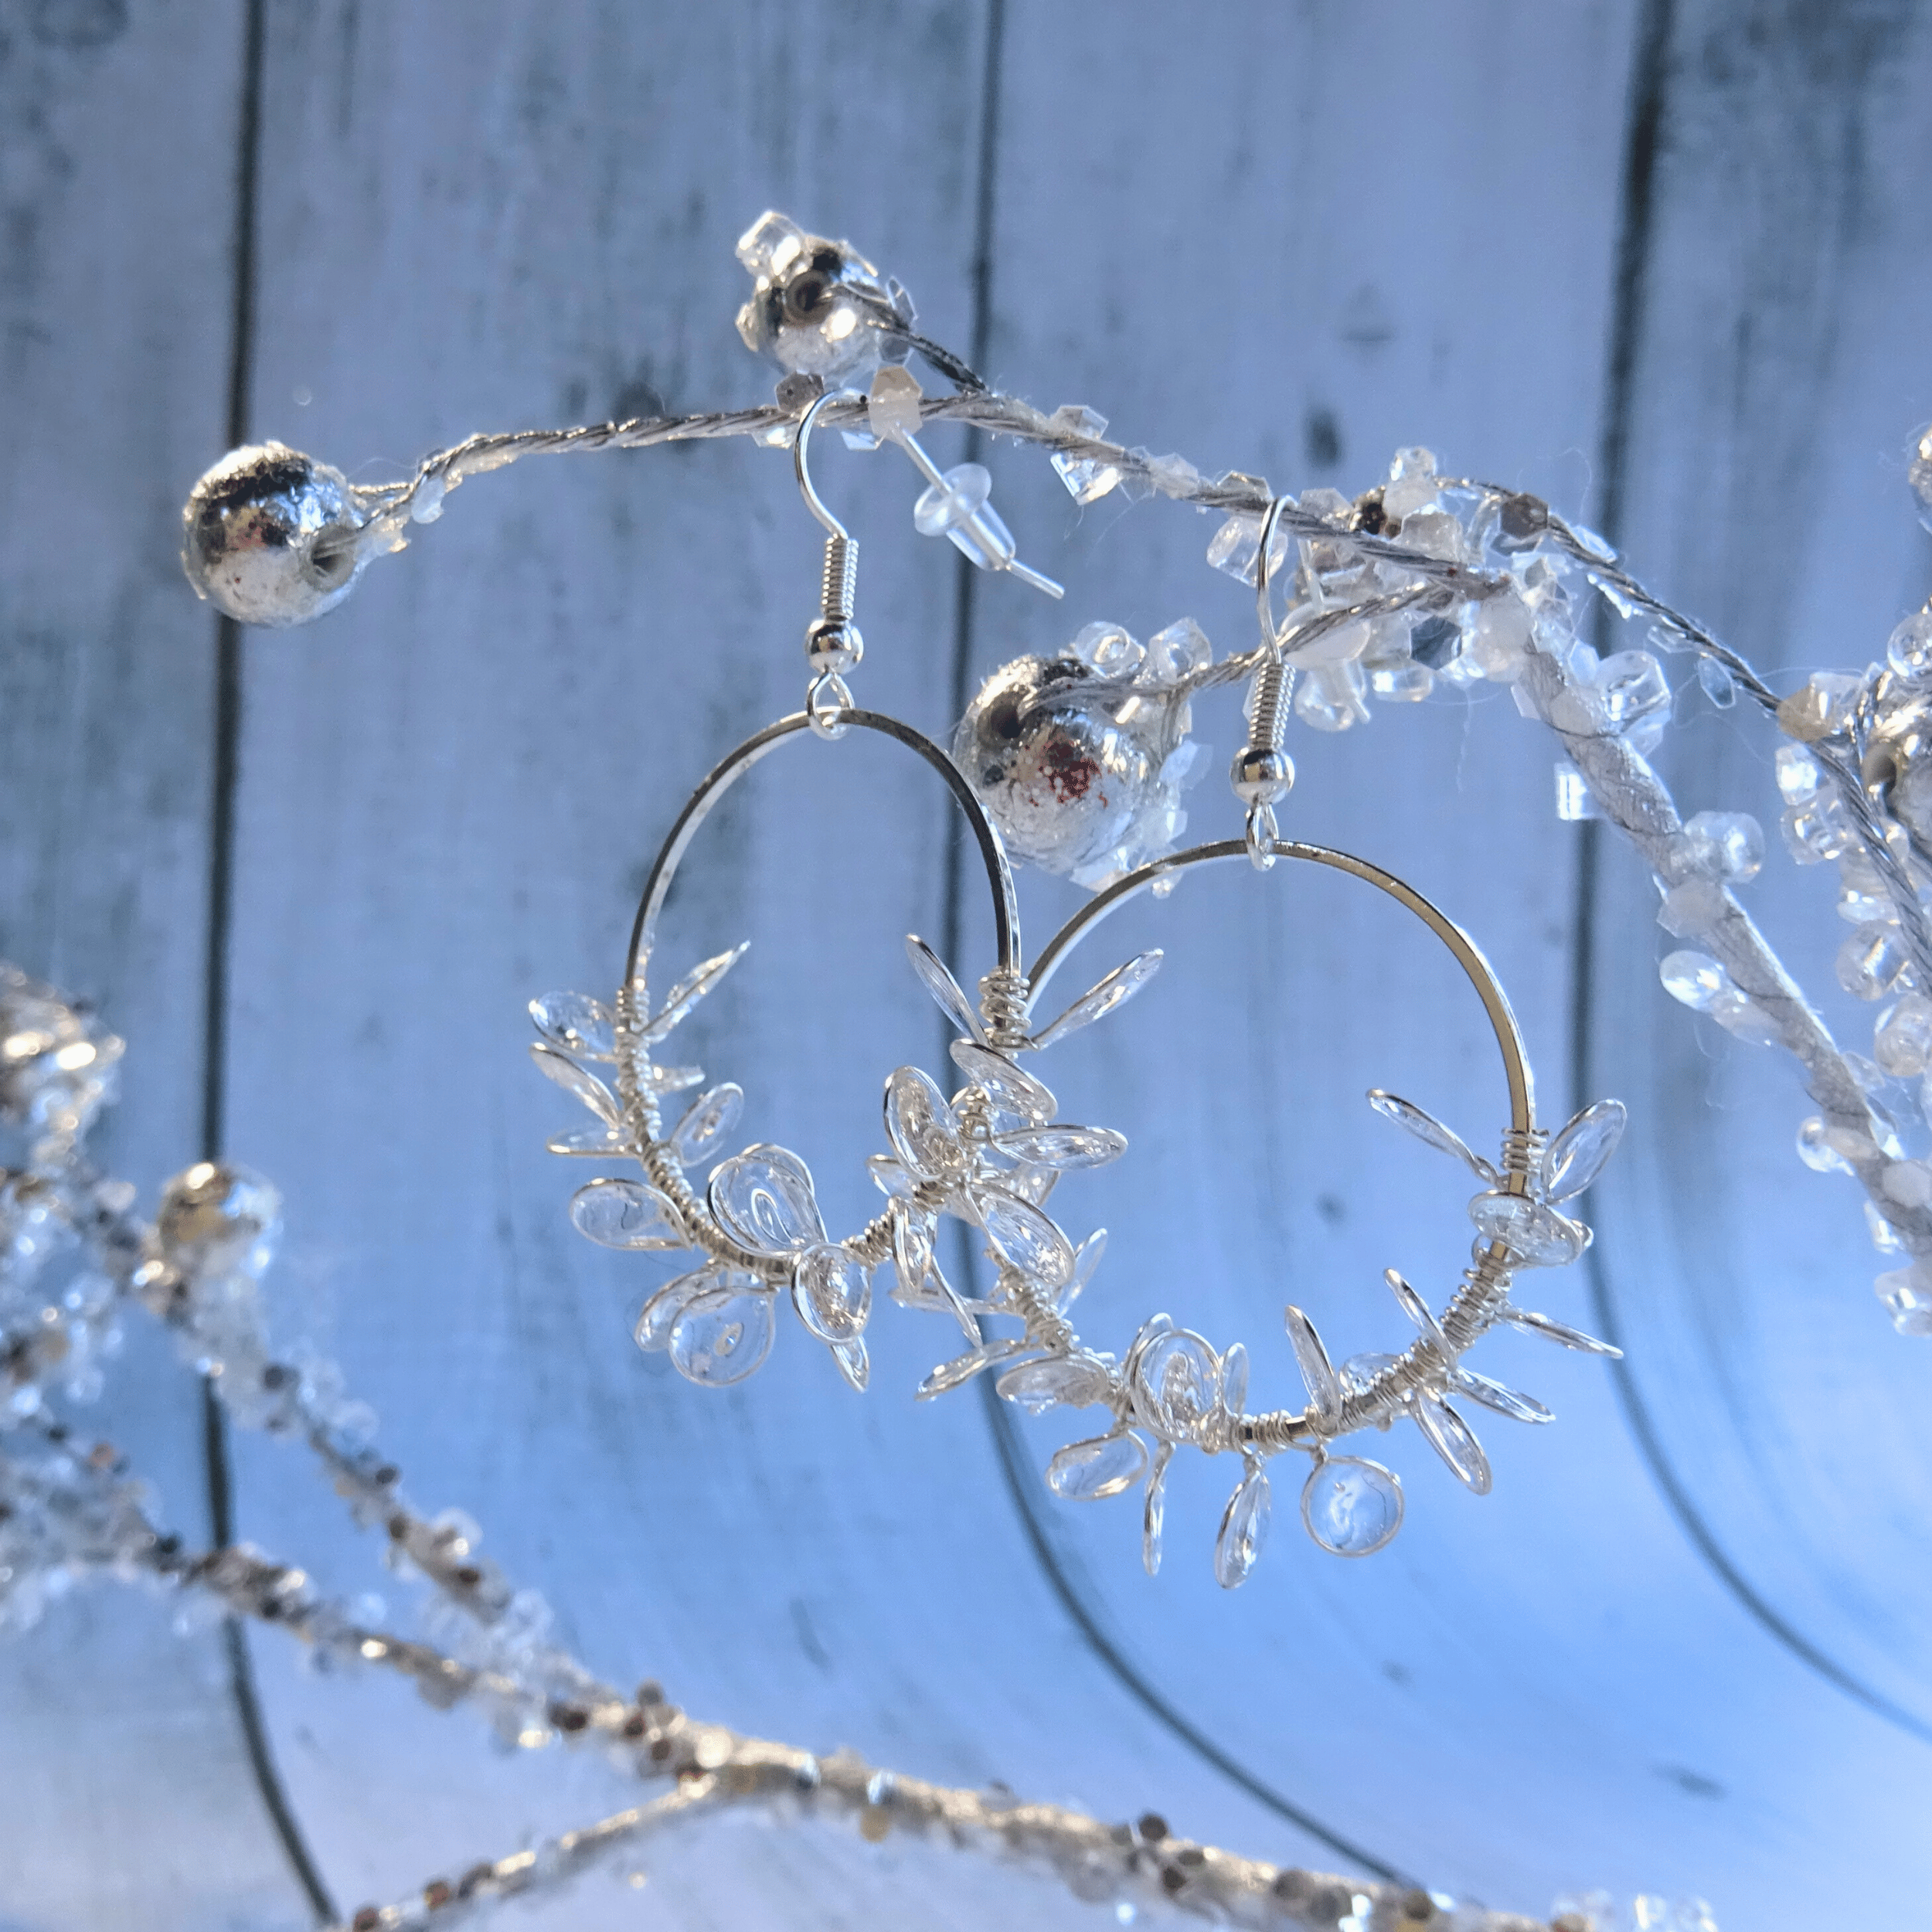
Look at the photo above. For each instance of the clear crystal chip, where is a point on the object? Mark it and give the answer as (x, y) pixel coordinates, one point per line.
(1350, 1506)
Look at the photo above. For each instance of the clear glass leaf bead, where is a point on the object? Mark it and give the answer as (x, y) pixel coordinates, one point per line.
(706, 1121)
(1577, 1154)
(1244, 1529)
(937, 977)
(1324, 1391)
(1496, 1396)
(1552, 1330)
(763, 1199)
(1067, 1382)
(1024, 1238)
(576, 1022)
(963, 1368)
(1101, 1466)
(574, 1080)
(1012, 1091)
(722, 1335)
(1087, 1258)
(661, 1311)
(1452, 1438)
(701, 980)
(1062, 1148)
(1419, 1311)
(854, 1363)
(1536, 1236)
(627, 1215)
(1103, 998)
(1351, 1506)
(1430, 1130)
(832, 1292)
(1177, 1384)
(1153, 1511)
(921, 1126)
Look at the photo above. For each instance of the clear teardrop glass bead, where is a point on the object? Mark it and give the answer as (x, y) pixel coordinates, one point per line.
(721, 1336)
(1087, 1258)
(1324, 1392)
(1536, 1236)
(961, 1369)
(1070, 1382)
(1062, 1148)
(653, 1331)
(1551, 1330)
(1418, 1312)
(706, 1121)
(701, 980)
(1103, 1466)
(1176, 1384)
(920, 1124)
(1114, 990)
(1577, 1155)
(1023, 1237)
(576, 1022)
(1499, 1396)
(1359, 1371)
(854, 1364)
(597, 1141)
(1244, 1529)
(626, 1214)
(1013, 1092)
(1430, 1130)
(1351, 1506)
(912, 1256)
(1153, 1512)
(832, 1292)
(1451, 1438)
(937, 977)
(762, 1198)
(574, 1080)
(888, 1175)
(1234, 1381)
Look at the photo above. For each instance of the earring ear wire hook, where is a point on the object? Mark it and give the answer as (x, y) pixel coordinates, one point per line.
(833, 645)
(1263, 772)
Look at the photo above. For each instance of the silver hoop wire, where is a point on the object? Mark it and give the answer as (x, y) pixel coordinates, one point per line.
(1462, 948)
(719, 780)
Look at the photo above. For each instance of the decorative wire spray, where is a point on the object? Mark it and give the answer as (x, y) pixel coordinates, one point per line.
(1077, 763)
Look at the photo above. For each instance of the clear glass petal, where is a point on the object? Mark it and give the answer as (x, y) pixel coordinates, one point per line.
(1324, 1392)
(912, 1254)
(576, 1022)
(1055, 1381)
(721, 1336)
(1418, 1312)
(1451, 1438)
(626, 1214)
(1087, 1258)
(1498, 1396)
(950, 1375)
(573, 1080)
(854, 1364)
(832, 1292)
(1023, 1237)
(1103, 1466)
(937, 980)
(1176, 1384)
(1351, 1506)
(1430, 1130)
(1154, 1514)
(762, 1198)
(599, 1141)
(1576, 1155)
(689, 990)
(920, 1124)
(1017, 1092)
(1062, 1146)
(888, 1175)
(1551, 1330)
(1536, 1236)
(674, 1079)
(653, 1331)
(1244, 1529)
(1115, 990)
(1234, 1381)
(707, 1120)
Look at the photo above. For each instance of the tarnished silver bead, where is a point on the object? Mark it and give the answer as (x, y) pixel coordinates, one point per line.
(833, 645)
(1897, 769)
(1059, 776)
(1261, 776)
(818, 306)
(268, 535)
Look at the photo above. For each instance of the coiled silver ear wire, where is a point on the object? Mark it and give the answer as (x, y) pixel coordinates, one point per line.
(1262, 773)
(833, 645)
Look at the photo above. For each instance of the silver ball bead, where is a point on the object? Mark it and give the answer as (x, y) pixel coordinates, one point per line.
(833, 645)
(1260, 777)
(218, 1218)
(1060, 777)
(268, 535)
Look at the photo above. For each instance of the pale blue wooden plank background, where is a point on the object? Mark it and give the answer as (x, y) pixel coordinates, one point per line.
(1409, 226)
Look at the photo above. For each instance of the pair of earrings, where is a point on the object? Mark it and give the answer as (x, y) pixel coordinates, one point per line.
(1077, 763)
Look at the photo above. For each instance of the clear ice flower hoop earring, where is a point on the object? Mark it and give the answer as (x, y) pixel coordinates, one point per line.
(993, 1153)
